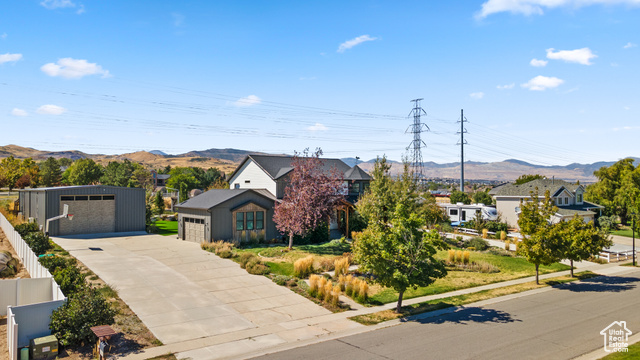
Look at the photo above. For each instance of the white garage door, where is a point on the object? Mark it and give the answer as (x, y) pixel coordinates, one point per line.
(194, 229)
(92, 214)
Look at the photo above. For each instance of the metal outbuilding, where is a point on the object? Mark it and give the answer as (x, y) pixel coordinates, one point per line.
(96, 208)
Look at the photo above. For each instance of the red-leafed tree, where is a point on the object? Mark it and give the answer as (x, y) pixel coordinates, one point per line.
(309, 197)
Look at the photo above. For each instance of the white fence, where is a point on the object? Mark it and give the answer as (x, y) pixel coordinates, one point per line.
(40, 318)
(616, 255)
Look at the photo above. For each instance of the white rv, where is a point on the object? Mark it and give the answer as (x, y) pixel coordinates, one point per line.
(460, 212)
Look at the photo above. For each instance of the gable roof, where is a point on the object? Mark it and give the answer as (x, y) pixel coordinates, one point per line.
(525, 189)
(356, 173)
(277, 166)
(214, 197)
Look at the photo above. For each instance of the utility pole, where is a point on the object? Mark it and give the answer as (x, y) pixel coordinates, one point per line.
(462, 143)
(415, 146)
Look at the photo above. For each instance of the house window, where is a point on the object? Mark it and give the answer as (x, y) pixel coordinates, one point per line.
(66, 198)
(95, 197)
(356, 187)
(365, 186)
(259, 220)
(83, 197)
(247, 181)
(108, 197)
(566, 201)
(249, 221)
(236, 186)
(579, 198)
(453, 212)
(239, 221)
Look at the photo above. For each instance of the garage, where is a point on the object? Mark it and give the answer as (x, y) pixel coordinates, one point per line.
(194, 229)
(96, 209)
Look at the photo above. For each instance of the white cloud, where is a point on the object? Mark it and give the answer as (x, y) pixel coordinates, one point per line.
(541, 83)
(248, 101)
(477, 95)
(51, 110)
(629, 45)
(580, 56)
(73, 69)
(317, 127)
(506, 87)
(3, 36)
(80, 10)
(18, 112)
(538, 63)
(626, 128)
(54, 4)
(355, 41)
(535, 7)
(178, 19)
(9, 58)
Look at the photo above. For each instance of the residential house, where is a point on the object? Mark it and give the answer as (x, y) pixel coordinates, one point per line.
(568, 197)
(215, 212)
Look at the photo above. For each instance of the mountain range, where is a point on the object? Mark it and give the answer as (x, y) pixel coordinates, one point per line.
(227, 160)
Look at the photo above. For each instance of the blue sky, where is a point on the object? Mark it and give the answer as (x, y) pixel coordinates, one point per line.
(546, 84)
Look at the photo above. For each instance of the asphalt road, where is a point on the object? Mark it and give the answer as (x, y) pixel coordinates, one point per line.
(559, 324)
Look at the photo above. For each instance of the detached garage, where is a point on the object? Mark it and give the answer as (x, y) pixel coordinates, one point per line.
(227, 214)
(96, 208)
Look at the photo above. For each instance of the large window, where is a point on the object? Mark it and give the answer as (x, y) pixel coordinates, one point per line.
(240, 221)
(453, 211)
(250, 220)
(259, 220)
(579, 198)
(356, 187)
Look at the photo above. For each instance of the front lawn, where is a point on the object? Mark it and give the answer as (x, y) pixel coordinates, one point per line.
(633, 353)
(510, 268)
(167, 228)
(623, 232)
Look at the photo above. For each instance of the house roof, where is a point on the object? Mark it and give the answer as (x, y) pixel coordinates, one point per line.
(584, 209)
(76, 187)
(356, 173)
(277, 166)
(214, 197)
(554, 186)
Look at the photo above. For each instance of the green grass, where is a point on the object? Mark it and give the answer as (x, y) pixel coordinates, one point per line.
(167, 228)
(432, 305)
(623, 232)
(634, 353)
(330, 249)
(281, 268)
(510, 268)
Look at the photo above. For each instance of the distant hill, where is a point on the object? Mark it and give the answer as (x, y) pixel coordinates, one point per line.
(228, 159)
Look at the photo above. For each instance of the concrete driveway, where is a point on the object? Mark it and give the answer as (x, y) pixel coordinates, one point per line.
(183, 293)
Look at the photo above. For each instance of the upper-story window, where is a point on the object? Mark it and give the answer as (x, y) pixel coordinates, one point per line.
(566, 201)
(236, 186)
(579, 200)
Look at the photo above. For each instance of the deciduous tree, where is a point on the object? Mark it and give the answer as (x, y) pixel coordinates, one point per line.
(83, 172)
(459, 197)
(10, 171)
(482, 197)
(309, 197)
(581, 240)
(50, 173)
(541, 245)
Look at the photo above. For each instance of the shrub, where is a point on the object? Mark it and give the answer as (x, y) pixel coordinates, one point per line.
(326, 264)
(336, 295)
(281, 279)
(452, 256)
(25, 228)
(303, 267)
(507, 245)
(245, 258)
(363, 293)
(349, 285)
(458, 256)
(257, 268)
(341, 266)
(321, 287)
(54, 263)
(485, 233)
(342, 282)
(478, 243)
(503, 235)
(465, 257)
(70, 279)
(328, 288)
(71, 323)
(314, 281)
(38, 242)
(484, 267)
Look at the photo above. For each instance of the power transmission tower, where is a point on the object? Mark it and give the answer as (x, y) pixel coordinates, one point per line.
(462, 143)
(415, 147)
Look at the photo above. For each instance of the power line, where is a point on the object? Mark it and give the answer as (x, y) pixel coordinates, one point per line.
(462, 142)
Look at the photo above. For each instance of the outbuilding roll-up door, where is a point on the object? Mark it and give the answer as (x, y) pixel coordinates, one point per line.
(92, 214)
(194, 229)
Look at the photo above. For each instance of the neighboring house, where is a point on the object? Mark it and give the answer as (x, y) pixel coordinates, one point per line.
(212, 213)
(568, 197)
(96, 208)
(159, 180)
(221, 214)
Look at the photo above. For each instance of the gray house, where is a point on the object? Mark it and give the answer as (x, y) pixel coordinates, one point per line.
(226, 214)
(96, 208)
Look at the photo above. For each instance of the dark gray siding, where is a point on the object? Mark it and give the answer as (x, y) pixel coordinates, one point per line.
(130, 205)
(222, 219)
